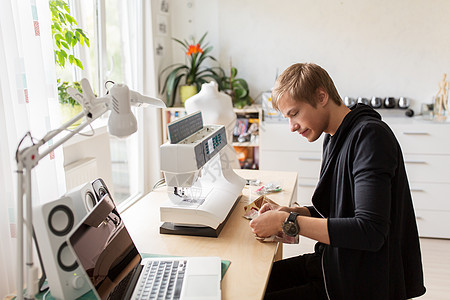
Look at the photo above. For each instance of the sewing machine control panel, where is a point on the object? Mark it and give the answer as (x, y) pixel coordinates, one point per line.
(210, 145)
(185, 127)
(213, 143)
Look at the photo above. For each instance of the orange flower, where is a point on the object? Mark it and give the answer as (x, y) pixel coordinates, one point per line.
(193, 49)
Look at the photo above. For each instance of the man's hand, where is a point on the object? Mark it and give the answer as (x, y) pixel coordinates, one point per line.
(269, 222)
(267, 207)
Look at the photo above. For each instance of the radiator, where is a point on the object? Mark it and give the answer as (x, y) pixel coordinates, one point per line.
(80, 172)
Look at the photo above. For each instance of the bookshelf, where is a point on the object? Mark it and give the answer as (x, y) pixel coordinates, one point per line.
(245, 136)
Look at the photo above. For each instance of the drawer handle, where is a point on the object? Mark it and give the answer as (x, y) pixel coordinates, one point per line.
(306, 185)
(419, 218)
(415, 133)
(418, 190)
(416, 162)
(309, 158)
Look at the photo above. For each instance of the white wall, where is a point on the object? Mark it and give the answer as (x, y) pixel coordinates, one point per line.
(370, 48)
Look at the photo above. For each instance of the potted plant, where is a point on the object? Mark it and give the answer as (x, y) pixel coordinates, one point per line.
(66, 35)
(191, 74)
(237, 88)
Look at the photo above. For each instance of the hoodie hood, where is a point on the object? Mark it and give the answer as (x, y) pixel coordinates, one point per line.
(357, 112)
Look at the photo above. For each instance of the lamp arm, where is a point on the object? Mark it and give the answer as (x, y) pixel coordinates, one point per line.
(63, 127)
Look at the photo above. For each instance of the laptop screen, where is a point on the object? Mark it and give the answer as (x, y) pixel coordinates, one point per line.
(105, 249)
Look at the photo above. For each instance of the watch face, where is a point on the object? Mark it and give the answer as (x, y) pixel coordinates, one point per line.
(290, 229)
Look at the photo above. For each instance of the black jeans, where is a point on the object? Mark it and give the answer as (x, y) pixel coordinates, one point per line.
(297, 278)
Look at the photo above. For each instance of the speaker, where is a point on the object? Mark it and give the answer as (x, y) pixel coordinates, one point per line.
(100, 189)
(52, 223)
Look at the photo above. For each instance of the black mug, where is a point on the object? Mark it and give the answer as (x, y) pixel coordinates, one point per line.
(376, 102)
(389, 102)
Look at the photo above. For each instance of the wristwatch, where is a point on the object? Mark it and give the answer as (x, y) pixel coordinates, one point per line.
(290, 226)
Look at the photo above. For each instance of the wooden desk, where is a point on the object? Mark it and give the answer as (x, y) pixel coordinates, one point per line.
(251, 261)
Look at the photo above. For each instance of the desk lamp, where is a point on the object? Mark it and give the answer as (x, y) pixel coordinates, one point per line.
(121, 123)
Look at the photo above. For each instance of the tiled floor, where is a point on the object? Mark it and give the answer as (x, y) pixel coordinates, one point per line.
(435, 258)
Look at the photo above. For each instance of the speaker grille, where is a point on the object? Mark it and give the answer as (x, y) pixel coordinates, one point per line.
(90, 200)
(60, 220)
(66, 260)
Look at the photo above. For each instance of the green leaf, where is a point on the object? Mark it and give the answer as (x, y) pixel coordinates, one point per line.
(170, 79)
(57, 26)
(62, 59)
(68, 37)
(171, 93)
(240, 93)
(202, 38)
(71, 59)
(184, 44)
(233, 72)
(74, 41)
(71, 20)
(64, 44)
(58, 36)
(203, 57)
(206, 50)
(241, 82)
(61, 18)
(78, 63)
(80, 31)
(65, 6)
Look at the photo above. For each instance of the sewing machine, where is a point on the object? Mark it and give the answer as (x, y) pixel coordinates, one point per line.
(203, 188)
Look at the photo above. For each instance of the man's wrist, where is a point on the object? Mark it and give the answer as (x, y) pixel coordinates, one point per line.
(290, 226)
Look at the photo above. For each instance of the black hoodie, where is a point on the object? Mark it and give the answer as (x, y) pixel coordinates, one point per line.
(363, 191)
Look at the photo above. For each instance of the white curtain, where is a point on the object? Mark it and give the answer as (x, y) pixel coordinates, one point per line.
(27, 90)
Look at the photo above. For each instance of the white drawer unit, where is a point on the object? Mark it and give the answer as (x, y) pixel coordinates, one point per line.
(426, 150)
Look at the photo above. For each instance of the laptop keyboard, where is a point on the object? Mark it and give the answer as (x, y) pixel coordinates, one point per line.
(161, 280)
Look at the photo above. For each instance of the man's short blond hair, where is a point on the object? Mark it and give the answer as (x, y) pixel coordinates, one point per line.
(301, 82)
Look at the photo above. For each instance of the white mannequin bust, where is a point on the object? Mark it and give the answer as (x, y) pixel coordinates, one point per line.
(216, 108)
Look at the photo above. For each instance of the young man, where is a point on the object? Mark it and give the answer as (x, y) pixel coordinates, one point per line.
(362, 214)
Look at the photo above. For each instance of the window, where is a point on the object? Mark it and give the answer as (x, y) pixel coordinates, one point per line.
(112, 56)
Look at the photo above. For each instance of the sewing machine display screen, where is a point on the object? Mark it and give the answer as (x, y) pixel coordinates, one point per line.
(213, 143)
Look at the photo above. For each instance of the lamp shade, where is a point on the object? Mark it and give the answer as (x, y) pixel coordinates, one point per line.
(122, 122)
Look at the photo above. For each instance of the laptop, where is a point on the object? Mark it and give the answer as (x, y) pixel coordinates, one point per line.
(111, 261)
